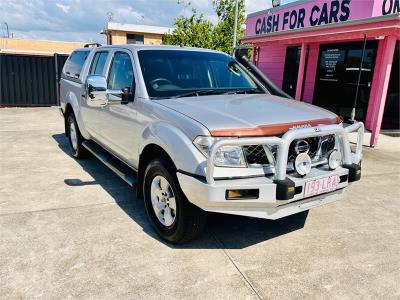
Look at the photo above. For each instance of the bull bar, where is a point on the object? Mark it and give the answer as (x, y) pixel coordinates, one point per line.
(284, 142)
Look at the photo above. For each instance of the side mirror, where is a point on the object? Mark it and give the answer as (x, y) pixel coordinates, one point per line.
(99, 95)
(96, 90)
(96, 85)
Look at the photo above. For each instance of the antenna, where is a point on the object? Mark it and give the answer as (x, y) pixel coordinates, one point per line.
(8, 31)
(110, 16)
(185, 4)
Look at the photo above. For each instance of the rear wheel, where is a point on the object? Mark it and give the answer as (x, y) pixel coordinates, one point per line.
(173, 217)
(75, 138)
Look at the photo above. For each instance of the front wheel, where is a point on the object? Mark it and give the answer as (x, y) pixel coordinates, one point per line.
(174, 218)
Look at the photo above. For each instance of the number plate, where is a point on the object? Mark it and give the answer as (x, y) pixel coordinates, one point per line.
(320, 186)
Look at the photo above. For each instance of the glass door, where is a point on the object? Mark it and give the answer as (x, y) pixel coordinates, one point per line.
(291, 71)
(337, 78)
(391, 115)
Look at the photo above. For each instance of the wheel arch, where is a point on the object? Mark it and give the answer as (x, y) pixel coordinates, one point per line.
(72, 106)
(68, 110)
(167, 141)
(150, 152)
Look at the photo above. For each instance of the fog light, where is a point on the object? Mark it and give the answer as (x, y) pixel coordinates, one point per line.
(302, 164)
(242, 194)
(334, 160)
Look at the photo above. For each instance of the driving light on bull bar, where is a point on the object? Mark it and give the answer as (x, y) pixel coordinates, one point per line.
(302, 164)
(335, 159)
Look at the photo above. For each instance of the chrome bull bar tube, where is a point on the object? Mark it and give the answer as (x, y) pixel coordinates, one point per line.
(284, 142)
(359, 127)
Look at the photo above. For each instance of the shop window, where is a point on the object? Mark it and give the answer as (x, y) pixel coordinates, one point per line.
(337, 78)
(391, 115)
(134, 38)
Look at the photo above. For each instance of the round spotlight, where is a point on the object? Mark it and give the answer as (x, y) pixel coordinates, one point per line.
(302, 164)
(334, 160)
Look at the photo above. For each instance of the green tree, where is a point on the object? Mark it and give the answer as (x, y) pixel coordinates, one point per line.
(196, 31)
(223, 31)
(193, 31)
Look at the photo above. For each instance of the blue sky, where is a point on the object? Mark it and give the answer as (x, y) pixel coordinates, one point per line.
(82, 20)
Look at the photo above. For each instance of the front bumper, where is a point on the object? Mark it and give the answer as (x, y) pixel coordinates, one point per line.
(212, 197)
(210, 194)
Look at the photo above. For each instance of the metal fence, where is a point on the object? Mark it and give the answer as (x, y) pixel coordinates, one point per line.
(30, 80)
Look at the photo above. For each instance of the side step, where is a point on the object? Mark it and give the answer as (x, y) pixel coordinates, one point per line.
(116, 165)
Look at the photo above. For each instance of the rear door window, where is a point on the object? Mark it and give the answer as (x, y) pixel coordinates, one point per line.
(74, 64)
(98, 63)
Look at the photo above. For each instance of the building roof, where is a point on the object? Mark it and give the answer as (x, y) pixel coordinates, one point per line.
(113, 26)
(37, 47)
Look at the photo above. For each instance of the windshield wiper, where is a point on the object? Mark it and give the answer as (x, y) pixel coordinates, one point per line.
(244, 91)
(199, 93)
(218, 92)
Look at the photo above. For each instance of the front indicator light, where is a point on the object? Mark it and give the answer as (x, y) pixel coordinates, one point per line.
(334, 160)
(302, 164)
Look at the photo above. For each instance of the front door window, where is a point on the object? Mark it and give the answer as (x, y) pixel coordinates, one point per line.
(121, 73)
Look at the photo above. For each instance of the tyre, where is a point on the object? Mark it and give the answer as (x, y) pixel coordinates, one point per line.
(173, 217)
(75, 138)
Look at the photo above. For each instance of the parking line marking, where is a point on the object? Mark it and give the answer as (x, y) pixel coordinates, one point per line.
(228, 255)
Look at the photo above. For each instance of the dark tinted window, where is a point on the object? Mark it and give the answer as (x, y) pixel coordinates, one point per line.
(169, 73)
(134, 39)
(98, 63)
(121, 72)
(75, 62)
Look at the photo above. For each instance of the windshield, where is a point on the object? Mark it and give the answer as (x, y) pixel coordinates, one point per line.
(177, 73)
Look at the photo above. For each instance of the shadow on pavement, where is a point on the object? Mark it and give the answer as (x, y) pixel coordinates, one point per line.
(222, 231)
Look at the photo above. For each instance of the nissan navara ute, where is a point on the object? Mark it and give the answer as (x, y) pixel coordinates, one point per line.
(196, 130)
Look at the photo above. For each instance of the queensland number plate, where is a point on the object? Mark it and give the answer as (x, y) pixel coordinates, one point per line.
(321, 185)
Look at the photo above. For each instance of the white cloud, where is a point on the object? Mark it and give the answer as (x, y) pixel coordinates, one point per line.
(257, 5)
(64, 8)
(82, 20)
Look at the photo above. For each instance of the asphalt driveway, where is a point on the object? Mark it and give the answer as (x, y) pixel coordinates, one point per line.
(74, 229)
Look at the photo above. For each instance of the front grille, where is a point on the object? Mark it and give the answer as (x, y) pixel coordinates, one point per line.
(255, 155)
(319, 147)
(318, 150)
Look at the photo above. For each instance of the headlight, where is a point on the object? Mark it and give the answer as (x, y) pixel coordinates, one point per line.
(230, 156)
(226, 156)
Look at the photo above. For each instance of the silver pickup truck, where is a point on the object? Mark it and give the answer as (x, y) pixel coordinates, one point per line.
(196, 130)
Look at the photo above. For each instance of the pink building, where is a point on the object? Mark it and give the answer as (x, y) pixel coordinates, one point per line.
(334, 54)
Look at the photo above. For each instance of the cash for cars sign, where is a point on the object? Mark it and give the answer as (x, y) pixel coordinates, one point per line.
(315, 13)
